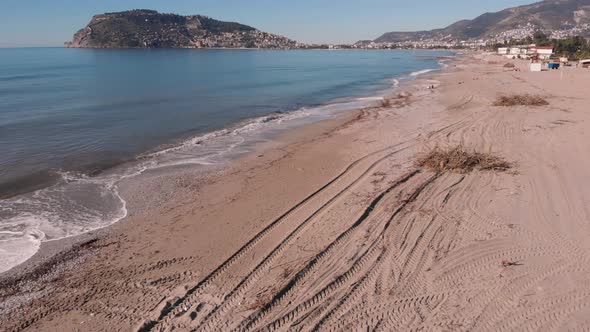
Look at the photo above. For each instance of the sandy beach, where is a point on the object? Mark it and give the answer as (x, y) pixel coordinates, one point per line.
(334, 226)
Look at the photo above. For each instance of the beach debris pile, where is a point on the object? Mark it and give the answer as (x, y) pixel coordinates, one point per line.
(400, 100)
(520, 100)
(507, 263)
(459, 160)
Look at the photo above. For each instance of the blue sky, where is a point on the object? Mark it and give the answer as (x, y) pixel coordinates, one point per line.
(51, 22)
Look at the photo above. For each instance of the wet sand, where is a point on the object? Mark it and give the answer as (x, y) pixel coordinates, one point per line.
(334, 227)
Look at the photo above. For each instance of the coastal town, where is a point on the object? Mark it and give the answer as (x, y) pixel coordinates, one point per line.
(453, 42)
(245, 39)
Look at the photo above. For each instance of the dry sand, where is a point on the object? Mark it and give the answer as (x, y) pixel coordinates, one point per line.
(334, 227)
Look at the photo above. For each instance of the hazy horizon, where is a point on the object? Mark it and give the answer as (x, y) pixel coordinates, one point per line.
(37, 23)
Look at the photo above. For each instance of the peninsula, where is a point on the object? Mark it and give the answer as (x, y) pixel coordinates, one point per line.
(150, 29)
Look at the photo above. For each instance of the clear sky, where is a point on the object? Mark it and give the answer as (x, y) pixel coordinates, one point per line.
(51, 22)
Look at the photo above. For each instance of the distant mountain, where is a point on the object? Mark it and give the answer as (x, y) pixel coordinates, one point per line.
(559, 18)
(150, 29)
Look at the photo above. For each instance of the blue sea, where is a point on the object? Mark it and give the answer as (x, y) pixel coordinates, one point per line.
(75, 122)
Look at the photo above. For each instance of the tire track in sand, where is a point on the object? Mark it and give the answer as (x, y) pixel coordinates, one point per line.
(181, 305)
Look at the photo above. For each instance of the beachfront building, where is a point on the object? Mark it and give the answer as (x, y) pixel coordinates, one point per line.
(520, 52)
(527, 52)
(542, 52)
(503, 50)
(516, 51)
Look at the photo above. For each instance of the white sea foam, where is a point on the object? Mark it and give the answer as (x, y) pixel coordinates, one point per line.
(20, 243)
(443, 64)
(421, 72)
(75, 206)
(377, 98)
(219, 146)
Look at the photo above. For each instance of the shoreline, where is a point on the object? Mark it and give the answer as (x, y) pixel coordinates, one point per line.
(51, 249)
(337, 226)
(47, 249)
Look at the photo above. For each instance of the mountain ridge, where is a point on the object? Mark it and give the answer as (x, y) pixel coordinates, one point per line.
(559, 18)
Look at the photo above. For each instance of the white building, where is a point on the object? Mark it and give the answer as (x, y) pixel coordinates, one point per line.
(503, 50)
(543, 52)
